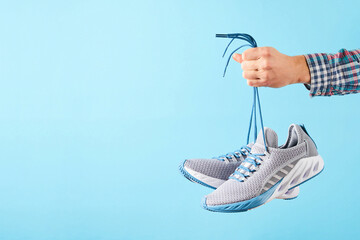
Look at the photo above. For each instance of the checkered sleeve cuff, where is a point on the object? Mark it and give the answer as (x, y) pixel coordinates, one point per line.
(320, 74)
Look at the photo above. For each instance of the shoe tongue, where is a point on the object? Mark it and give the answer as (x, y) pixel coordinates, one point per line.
(270, 136)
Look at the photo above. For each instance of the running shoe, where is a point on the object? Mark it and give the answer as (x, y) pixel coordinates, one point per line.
(215, 171)
(266, 175)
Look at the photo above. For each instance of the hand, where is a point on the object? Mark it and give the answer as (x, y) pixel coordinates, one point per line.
(267, 67)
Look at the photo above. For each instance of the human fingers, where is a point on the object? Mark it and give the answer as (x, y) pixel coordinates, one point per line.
(237, 57)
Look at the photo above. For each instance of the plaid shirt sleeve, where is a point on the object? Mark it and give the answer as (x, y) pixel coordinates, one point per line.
(334, 74)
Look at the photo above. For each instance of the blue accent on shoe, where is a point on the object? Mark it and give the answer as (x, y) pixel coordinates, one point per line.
(290, 198)
(307, 179)
(188, 176)
(244, 205)
(303, 128)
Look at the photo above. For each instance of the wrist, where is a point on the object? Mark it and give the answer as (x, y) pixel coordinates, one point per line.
(302, 70)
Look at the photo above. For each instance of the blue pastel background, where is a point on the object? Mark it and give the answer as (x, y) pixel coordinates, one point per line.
(101, 100)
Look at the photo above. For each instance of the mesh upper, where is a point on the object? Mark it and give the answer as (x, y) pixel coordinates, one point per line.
(234, 191)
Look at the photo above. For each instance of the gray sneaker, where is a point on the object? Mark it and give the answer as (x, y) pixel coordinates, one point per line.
(264, 176)
(214, 172)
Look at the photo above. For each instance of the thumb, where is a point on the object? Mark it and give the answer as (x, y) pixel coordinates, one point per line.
(237, 57)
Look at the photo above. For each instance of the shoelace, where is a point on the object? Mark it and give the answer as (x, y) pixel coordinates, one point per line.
(247, 167)
(252, 161)
(237, 154)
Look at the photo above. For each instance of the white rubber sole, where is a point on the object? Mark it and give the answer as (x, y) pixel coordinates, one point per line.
(290, 194)
(304, 170)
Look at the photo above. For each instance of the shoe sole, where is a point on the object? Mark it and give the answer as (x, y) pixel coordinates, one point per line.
(304, 170)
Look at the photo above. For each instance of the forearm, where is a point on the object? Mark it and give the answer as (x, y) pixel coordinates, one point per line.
(334, 74)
